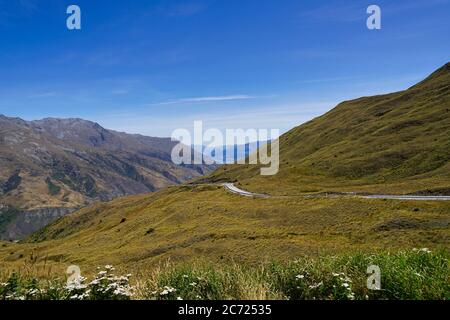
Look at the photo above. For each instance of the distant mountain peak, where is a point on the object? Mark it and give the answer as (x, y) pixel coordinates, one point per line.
(67, 122)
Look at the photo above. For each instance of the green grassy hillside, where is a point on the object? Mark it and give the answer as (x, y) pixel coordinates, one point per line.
(394, 143)
(397, 142)
(407, 274)
(208, 223)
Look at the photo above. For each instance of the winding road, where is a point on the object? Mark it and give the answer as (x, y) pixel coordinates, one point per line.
(232, 188)
(416, 198)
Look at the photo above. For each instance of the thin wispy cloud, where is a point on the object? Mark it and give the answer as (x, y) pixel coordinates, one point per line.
(335, 79)
(43, 95)
(181, 9)
(119, 92)
(336, 11)
(11, 10)
(186, 9)
(269, 117)
(207, 99)
(28, 5)
(316, 53)
(400, 7)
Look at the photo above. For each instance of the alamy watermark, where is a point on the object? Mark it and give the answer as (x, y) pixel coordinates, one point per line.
(73, 274)
(374, 20)
(73, 22)
(374, 279)
(207, 147)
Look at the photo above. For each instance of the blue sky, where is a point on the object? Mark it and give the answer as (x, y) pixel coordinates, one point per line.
(153, 66)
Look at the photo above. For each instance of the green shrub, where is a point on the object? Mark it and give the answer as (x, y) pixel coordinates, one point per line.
(104, 286)
(53, 189)
(414, 274)
(417, 274)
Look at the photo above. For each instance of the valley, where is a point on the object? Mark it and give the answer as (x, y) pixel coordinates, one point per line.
(359, 180)
(207, 223)
(270, 156)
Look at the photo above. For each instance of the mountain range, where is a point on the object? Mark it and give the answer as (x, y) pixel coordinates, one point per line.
(51, 167)
(395, 143)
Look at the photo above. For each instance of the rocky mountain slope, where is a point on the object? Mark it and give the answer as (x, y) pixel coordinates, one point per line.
(52, 166)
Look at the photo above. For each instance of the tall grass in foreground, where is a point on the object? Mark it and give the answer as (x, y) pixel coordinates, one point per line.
(413, 274)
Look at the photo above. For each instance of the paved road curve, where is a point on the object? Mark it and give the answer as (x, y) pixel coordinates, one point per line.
(232, 188)
(419, 198)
